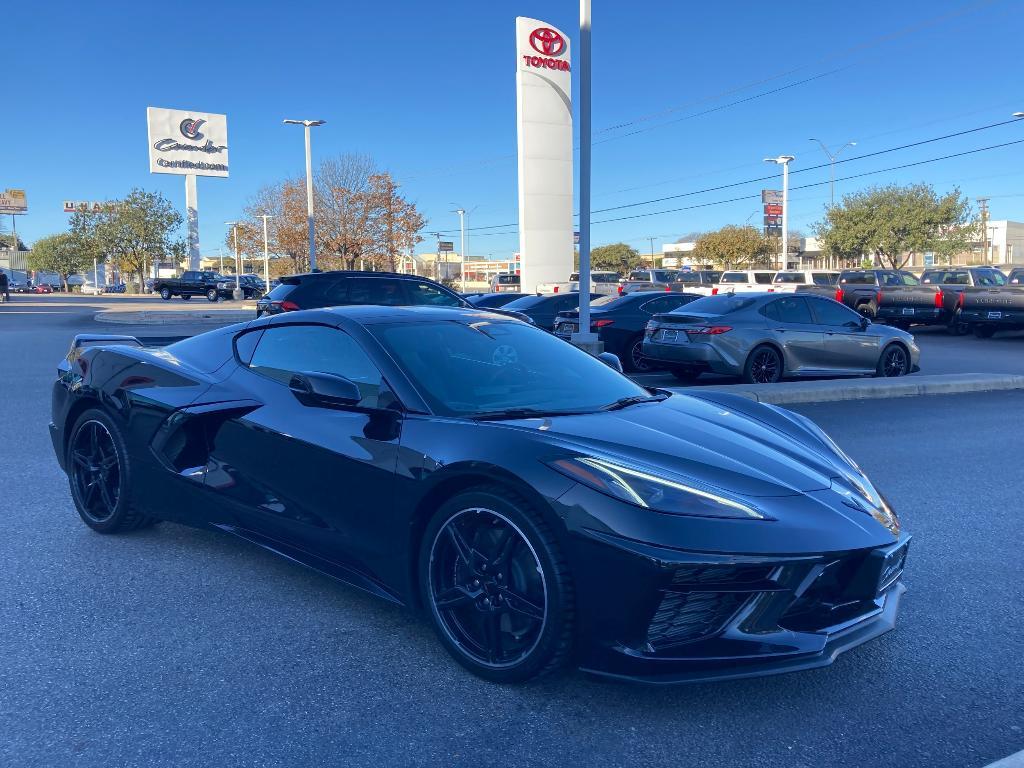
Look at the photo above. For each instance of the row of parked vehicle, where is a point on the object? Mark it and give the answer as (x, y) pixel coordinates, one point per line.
(209, 284)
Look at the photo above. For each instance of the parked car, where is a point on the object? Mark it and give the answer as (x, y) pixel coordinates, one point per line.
(697, 281)
(493, 300)
(42, 288)
(91, 289)
(821, 281)
(600, 282)
(251, 286)
(193, 283)
(619, 321)
(505, 282)
(539, 507)
(543, 308)
(744, 281)
(895, 296)
(341, 288)
(952, 281)
(649, 280)
(1016, 277)
(765, 337)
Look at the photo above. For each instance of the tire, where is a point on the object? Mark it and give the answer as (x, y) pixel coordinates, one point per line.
(100, 475)
(685, 375)
(984, 331)
(499, 594)
(211, 295)
(634, 360)
(865, 310)
(165, 294)
(764, 366)
(956, 327)
(186, 297)
(894, 361)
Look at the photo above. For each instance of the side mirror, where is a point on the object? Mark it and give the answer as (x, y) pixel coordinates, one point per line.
(324, 390)
(612, 361)
(865, 322)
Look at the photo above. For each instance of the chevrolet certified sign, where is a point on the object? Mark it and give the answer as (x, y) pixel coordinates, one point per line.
(187, 143)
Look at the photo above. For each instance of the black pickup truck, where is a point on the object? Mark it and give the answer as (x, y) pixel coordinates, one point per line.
(891, 295)
(195, 283)
(953, 281)
(987, 309)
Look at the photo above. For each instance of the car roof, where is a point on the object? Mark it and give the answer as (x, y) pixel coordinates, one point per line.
(376, 313)
(354, 273)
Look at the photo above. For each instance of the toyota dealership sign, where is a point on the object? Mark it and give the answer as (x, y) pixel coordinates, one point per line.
(187, 143)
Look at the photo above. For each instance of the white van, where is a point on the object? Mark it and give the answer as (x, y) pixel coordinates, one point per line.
(745, 281)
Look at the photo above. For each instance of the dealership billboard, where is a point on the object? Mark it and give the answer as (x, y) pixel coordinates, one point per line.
(187, 143)
(544, 130)
(13, 201)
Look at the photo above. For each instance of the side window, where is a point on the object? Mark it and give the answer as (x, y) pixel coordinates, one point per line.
(425, 293)
(763, 278)
(245, 345)
(791, 309)
(823, 278)
(372, 290)
(291, 349)
(833, 313)
(567, 302)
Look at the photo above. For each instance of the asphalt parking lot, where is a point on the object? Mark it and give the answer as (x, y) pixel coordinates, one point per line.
(175, 646)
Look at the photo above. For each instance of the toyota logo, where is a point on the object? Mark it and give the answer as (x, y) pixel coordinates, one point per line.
(190, 128)
(547, 41)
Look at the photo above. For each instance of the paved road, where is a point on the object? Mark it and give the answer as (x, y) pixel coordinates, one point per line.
(177, 647)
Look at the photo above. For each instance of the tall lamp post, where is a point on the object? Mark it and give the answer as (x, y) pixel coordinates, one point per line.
(237, 293)
(309, 187)
(462, 246)
(784, 161)
(266, 254)
(832, 166)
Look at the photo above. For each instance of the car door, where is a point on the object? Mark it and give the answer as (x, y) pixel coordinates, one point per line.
(848, 344)
(315, 477)
(793, 327)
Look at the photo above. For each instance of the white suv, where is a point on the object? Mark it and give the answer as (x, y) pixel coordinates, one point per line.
(745, 281)
(789, 280)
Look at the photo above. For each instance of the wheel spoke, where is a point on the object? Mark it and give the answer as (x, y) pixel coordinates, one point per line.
(94, 441)
(453, 597)
(109, 501)
(516, 602)
(79, 458)
(461, 545)
(505, 548)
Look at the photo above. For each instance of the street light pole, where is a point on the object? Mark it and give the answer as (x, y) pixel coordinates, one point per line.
(832, 167)
(309, 187)
(266, 255)
(237, 293)
(462, 246)
(784, 161)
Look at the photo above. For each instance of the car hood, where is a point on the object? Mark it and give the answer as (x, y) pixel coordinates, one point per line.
(725, 442)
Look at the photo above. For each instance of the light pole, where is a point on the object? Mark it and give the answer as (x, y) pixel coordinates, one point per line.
(237, 293)
(462, 246)
(832, 167)
(585, 339)
(309, 186)
(784, 161)
(266, 255)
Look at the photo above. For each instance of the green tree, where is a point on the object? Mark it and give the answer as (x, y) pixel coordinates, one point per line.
(891, 224)
(131, 232)
(617, 257)
(61, 254)
(733, 246)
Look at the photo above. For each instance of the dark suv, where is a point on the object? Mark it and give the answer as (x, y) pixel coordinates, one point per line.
(333, 289)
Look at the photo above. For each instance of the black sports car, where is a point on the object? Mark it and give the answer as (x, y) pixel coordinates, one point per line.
(537, 505)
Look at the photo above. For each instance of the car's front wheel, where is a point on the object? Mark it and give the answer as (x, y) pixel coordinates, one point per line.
(211, 294)
(496, 586)
(100, 474)
(895, 361)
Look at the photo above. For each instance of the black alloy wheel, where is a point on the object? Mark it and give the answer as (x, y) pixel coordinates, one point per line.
(99, 474)
(764, 366)
(895, 361)
(165, 294)
(211, 294)
(637, 362)
(496, 588)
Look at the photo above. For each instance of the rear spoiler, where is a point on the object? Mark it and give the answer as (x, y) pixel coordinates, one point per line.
(83, 341)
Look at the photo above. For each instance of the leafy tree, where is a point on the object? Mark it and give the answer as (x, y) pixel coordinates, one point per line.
(131, 232)
(61, 254)
(616, 257)
(891, 224)
(733, 246)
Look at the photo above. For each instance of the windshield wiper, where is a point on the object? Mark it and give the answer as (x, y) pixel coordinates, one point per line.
(625, 402)
(519, 413)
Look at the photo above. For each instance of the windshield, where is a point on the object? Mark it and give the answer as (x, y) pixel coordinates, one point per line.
(463, 369)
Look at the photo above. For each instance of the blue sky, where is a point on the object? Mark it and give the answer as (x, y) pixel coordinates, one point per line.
(428, 90)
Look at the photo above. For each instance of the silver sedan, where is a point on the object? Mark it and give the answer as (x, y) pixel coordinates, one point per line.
(765, 337)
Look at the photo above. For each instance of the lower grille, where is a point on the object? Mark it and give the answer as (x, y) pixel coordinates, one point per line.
(683, 617)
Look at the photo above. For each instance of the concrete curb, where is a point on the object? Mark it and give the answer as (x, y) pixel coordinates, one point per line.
(1015, 760)
(792, 392)
(175, 317)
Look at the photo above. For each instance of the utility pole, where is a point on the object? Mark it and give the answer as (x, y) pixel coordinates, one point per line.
(983, 206)
(266, 254)
(237, 293)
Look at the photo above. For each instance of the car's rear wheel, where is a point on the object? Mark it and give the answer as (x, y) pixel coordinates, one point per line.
(984, 331)
(895, 361)
(636, 362)
(99, 472)
(764, 366)
(211, 294)
(165, 294)
(496, 586)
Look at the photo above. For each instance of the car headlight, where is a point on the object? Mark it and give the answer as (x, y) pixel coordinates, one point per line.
(222, 286)
(644, 489)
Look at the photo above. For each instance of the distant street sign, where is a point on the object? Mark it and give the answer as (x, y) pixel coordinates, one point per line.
(771, 196)
(445, 245)
(773, 210)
